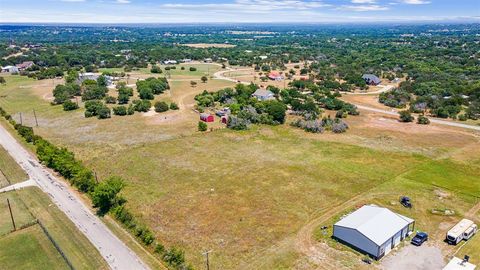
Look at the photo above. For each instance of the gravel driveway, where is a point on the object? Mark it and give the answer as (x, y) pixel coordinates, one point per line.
(410, 257)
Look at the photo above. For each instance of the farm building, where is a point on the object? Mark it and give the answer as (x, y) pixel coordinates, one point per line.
(371, 79)
(373, 230)
(92, 76)
(205, 117)
(10, 69)
(263, 94)
(24, 65)
(275, 76)
(207, 60)
(170, 62)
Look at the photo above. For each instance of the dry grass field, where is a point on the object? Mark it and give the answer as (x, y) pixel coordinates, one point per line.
(258, 197)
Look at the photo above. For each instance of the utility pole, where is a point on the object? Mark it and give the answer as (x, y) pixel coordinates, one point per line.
(11, 216)
(206, 258)
(96, 178)
(21, 121)
(34, 114)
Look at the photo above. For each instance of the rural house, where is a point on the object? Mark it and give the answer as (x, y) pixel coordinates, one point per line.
(275, 76)
(371, 79)
(263, 94)
(24, 65)
(91, 76)
(373, 230)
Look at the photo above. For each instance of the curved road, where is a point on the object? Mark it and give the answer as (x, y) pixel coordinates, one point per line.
(114, 251)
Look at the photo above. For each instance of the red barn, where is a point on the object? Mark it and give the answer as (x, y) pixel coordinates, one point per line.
(205, 117)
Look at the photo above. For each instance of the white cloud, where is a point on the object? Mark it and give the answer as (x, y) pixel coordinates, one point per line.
(415, 2)
(72, 1)
(363, 8)
(364, 1)
(123, 1)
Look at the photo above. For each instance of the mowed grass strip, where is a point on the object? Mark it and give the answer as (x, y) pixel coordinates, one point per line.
(241, 192)
(77, 248)
(10, 173)
(20, 213)
(29, 249)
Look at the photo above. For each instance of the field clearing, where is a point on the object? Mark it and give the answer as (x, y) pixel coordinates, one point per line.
(29, 249)
(209, 45)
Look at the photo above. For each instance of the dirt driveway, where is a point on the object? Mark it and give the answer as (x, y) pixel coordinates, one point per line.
(410, 257)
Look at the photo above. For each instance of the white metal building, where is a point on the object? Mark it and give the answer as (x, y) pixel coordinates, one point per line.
(373, 230)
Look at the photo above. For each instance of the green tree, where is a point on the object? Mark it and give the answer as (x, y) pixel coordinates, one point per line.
(406, 116)
(161, 106)
(204, 79)
(174, 106)
(69, 105)
(277, 110)
(105, 196)
(202, 126)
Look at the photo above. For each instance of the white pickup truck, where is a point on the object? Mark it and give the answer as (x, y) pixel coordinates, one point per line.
(464, 230)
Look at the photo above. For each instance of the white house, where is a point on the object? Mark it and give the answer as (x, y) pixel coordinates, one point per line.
(373, 230)
(10, 69)
(263, 95)
(170, 62)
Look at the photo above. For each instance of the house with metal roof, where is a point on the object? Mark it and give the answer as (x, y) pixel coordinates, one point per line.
(371, 79)
(373, 230)
(263, 94)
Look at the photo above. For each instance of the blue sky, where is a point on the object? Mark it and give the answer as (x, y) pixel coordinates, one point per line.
(236, 11)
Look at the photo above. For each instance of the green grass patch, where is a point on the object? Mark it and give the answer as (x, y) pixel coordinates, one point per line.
(20, 213)
(10, 171)
(29, 249)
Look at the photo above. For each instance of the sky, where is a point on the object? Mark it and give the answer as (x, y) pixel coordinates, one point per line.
(237, 11)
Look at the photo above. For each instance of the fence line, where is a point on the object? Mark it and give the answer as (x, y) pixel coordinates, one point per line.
(57, 246)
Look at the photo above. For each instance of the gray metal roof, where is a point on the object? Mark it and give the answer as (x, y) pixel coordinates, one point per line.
(376, 223)
(371, 78)
(263, 93)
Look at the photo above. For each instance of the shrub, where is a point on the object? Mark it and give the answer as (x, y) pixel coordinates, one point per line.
(161, 106)
(142, 105)
(406, 116)
(202, 126)
(193, 69)
(120, 110)
(339, 126)
(462, 117)
(174, 106)
(69, 106)
(422, 120)
(237, 123)
(110, 100)
(156, 69)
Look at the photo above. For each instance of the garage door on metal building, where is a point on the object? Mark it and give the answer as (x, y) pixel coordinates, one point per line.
(397, 238)
(388, 247)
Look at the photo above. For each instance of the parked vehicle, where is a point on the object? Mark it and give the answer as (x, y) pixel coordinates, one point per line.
(406, 202)
(464, 230)
(419, 238)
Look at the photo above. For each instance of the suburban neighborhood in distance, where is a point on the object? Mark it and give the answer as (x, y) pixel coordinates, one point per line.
(240, 134)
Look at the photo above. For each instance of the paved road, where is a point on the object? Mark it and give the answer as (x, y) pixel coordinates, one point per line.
(433, 120)
(114, 251)
(16, 186)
